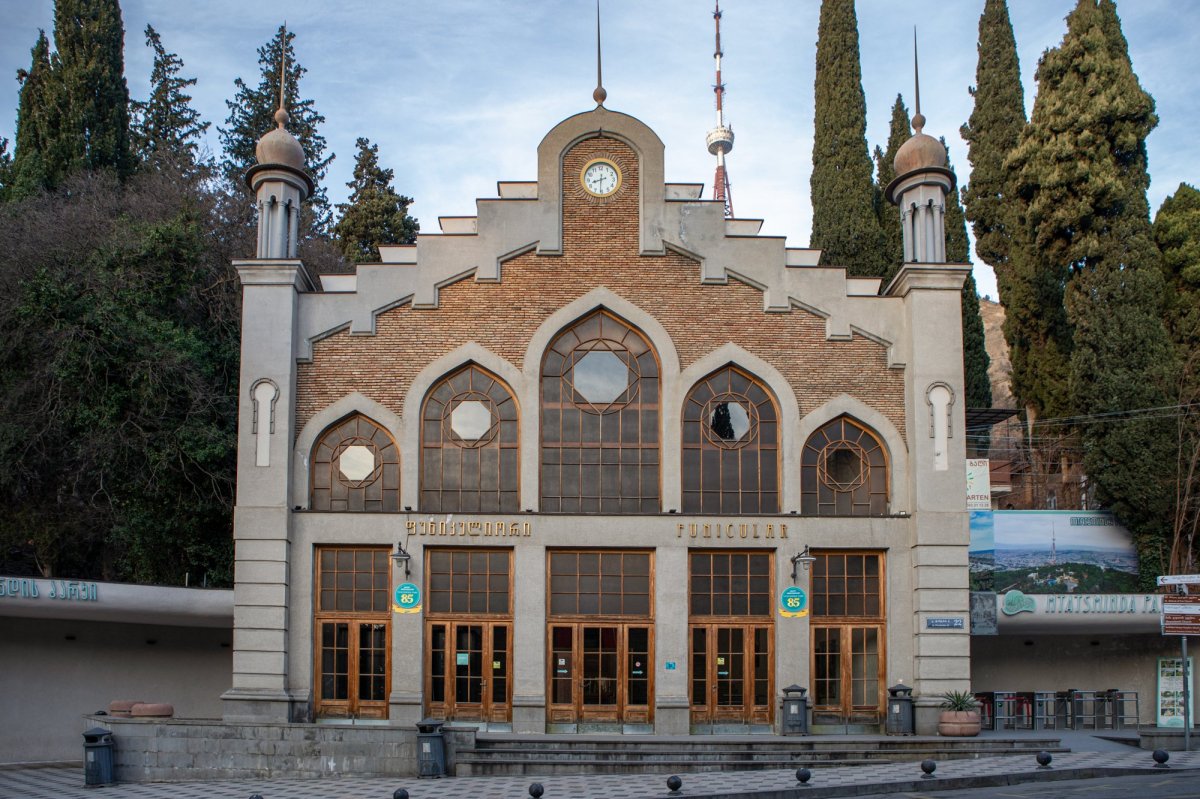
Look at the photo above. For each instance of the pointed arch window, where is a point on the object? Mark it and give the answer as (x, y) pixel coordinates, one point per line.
(469, 445)
(600, 420)
(730, 446)
(844, 471)
(355, 467)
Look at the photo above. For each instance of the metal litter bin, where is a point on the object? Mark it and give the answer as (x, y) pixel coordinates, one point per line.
(431, 749)
(900, 710)
(98, 767)
(795, 710)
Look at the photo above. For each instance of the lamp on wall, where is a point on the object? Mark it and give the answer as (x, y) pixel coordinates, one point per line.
(402, 558)
(801, 558)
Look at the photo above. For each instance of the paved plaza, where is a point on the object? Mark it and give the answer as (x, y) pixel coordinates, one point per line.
(1105, 758)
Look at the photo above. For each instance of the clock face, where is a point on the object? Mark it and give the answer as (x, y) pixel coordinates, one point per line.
(601, 178)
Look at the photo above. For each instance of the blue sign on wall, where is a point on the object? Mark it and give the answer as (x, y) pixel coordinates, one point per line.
(793, 602)
(407, 599)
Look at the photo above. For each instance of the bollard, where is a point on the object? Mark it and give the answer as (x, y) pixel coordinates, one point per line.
(536, 790)
(803, 775)
(1043, 759)
(928, 766)
(1160, 758)
(399, 793)
(674, 783)
(256, 796)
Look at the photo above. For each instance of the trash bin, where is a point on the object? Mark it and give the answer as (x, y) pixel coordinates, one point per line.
(431, 749)
(98, 768)
(900, 710)
(795, 710)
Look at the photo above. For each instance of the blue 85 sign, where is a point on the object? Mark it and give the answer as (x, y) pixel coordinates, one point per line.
(793, 602)
(406, 599)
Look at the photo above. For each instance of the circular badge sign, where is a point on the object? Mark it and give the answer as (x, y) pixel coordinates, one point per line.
(406, 599)
(793, 602)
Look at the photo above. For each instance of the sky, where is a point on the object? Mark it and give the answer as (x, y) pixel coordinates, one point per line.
(458, 93)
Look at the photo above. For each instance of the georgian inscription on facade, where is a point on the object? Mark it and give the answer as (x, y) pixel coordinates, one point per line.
(470, 529)
(58, 589)
(730, 531)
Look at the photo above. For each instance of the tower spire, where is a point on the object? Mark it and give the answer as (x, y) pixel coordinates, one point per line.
(720, 138)
(599, 94)
(281, 115)
(918, 120)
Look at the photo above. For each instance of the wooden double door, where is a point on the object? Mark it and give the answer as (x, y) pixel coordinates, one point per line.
(352, 669)
(469, 670)
(847, 669)
(601, 673)
(731, 673)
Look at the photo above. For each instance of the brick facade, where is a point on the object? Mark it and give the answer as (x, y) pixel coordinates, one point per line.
(600, 248)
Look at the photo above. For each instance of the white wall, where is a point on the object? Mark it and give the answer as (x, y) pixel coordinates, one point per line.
(55, 671)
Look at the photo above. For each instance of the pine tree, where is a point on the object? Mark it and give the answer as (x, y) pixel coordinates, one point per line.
(1081, 167)
(165, 126)
(1177, 232)
(90, 64)
(845, 226)
(375, 214)
(885, 171)
(37, 122)
(991, 134)
(252, 114)
(958, 251)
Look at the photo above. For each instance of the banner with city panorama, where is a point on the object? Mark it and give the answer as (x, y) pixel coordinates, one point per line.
(1051, 552)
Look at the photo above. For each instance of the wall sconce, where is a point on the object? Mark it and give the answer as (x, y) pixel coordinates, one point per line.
(401, 558)
(801, 558)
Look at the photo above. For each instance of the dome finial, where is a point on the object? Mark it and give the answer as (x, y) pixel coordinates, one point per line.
(281, 115)
(918, 120)
(599, 95)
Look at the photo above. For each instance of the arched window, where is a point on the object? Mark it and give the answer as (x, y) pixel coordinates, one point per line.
(843, 472)
(730, 446)
(355, 467)
(469, 445)
(600, 419)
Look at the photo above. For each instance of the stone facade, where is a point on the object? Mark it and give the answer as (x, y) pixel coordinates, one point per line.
(704, 293)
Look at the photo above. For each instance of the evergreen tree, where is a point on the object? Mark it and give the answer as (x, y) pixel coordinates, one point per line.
(37, 123)
(5, 169)
(958, 251)
(94, 100)
(1081, 169)
(885, 171)
(991, 134)
(845, 226)
(375, 214)
(165, 126)
(252, 114)
(1177, 232)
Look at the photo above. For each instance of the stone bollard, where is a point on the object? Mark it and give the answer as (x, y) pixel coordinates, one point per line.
(928, 766)
(1043, 759)
(674, 783)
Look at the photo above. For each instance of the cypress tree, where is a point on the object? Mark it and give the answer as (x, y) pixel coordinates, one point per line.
(90, 62)
(1177, 232)
(991, 134)
(375, 214)
(958, 251)
(165, 126)
(844, 225)
(252, 114)
(37, 122)
(1081, 167)
(885, 171)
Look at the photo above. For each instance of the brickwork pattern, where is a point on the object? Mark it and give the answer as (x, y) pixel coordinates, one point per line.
(600, 248)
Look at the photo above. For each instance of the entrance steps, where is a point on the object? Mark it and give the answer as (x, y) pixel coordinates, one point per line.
(516, 754)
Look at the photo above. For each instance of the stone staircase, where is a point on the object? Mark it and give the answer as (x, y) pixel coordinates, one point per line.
(479, 754)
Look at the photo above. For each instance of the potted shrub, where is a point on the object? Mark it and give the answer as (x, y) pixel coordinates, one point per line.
(960, 714)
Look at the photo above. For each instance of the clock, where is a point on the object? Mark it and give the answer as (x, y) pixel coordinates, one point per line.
(600, 177)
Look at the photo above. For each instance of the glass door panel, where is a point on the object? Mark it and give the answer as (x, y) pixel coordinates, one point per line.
(600, 680)
(352, 670)
(827, 675)
(372, 671)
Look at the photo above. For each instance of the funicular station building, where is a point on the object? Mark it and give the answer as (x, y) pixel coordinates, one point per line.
(599, 459)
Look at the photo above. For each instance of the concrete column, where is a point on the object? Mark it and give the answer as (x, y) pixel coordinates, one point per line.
(262, 515)
(529, 639)
(671, 703)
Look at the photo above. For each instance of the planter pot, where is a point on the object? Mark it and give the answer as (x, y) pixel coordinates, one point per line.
(958, 723)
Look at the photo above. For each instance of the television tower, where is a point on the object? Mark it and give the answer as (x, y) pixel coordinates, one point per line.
(720, 138)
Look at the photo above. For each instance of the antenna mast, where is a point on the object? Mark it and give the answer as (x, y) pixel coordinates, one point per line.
(720, 138)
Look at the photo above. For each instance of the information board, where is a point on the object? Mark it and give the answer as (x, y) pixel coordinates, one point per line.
(1169, 705)
(1181, 615)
